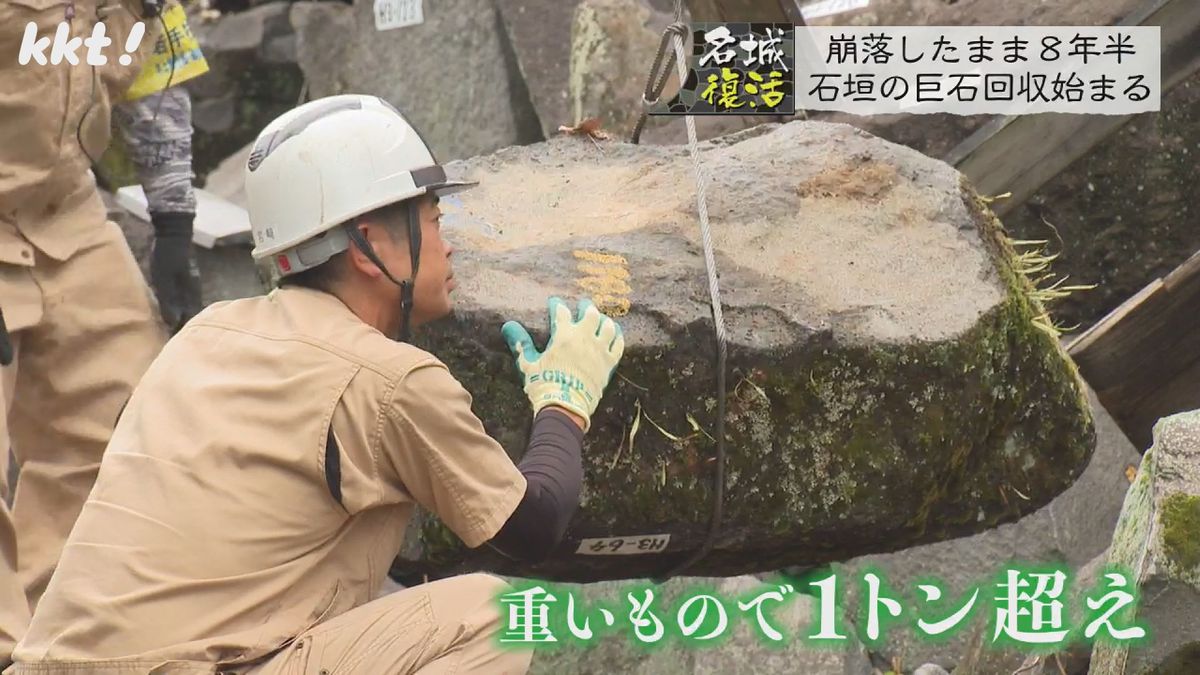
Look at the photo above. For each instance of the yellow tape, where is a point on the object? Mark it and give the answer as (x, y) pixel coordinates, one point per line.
(188, 62)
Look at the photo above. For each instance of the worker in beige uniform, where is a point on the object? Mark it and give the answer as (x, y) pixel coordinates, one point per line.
(259, 483)
(79, 325)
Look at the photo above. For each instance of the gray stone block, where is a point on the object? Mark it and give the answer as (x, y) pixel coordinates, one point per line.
(454, 76)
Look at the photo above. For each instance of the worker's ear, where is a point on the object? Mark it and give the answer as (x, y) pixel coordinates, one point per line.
(358, 261)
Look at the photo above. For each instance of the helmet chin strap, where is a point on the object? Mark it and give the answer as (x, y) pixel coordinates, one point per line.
(414, 248)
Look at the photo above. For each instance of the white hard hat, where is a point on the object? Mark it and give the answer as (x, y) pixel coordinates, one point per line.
(325, 162)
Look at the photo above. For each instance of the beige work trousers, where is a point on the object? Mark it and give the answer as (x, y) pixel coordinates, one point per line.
(74, 369)
(446, 627)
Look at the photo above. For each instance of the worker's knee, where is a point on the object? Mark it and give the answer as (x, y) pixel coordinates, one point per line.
(471, 600)
(487, 590)
(482, 584)
(482, 621)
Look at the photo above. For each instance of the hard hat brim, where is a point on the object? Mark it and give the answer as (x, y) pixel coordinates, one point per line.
(433, 180)
(450, 187)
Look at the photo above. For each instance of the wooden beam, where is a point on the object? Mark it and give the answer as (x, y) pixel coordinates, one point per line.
(1143, 359)
(1021, 153)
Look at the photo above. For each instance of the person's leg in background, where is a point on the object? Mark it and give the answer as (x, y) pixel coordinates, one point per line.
(14, 609)
(21, 303)
(444, 627)
(79, 364)
(72, 297)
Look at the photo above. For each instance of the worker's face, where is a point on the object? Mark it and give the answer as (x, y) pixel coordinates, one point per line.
(435, 276)
(435, 279)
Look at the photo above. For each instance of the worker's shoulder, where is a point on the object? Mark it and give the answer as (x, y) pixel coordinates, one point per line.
(293, 320)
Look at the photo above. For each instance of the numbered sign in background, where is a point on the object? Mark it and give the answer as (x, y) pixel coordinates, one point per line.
(391, 14)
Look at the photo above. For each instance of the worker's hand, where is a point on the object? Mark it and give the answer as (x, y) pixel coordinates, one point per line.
(577, 363)
(173, 271)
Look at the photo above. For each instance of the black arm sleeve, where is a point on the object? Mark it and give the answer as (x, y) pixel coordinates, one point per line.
(553, 470)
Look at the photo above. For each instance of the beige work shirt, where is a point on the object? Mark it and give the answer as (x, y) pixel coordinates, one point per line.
(211, 534)
(50, 115)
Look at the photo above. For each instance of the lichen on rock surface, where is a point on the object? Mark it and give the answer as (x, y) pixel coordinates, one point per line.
(887, 384)
(1180, 519)
(1155, 545)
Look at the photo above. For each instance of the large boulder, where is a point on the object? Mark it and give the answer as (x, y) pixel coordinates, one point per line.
(1071, 530)
(1157, 540)
(600, 67)
(612, 46)
(889, 382)
(544, 63)
(453, 76)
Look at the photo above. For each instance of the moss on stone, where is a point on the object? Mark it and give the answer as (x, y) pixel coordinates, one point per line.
(1129, 537)
(1179, 517)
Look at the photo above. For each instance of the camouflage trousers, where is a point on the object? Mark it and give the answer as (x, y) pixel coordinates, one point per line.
(157, 131)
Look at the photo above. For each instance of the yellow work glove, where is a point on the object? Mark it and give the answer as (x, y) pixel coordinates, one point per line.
(577, 363)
